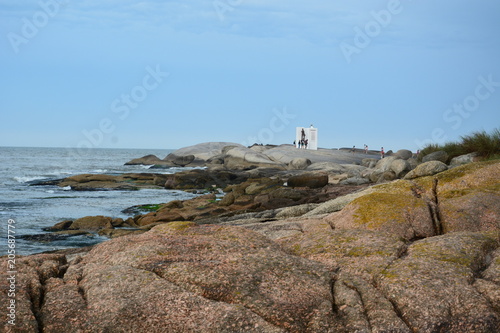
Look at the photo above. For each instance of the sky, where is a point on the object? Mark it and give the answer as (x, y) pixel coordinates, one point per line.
(169, 74)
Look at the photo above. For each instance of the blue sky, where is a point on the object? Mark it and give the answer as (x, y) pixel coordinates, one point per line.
(167, 74)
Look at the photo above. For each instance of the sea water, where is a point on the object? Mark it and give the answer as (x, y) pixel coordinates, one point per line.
(36, 207)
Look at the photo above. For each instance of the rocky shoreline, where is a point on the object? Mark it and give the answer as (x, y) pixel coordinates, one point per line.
(282, 240)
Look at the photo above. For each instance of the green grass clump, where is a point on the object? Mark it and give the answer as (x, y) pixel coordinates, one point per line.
(486, 146)
(151, 208)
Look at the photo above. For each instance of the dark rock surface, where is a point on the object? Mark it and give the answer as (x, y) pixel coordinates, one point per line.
(440, 155)
(145, 160)
(308, 180)
(180, 160)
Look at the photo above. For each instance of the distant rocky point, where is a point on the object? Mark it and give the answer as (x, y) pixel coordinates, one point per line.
(350, 167)
(219, 164)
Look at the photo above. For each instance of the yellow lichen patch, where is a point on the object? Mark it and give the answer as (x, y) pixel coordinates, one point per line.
(396, 187)
(345, 244)
(180, 225)
(390, 274)
(494, 234)
(402, 206)
(481, 175)
(375, 209)
(360, 251)
(456, 193)
(465, 249)
(173, 227)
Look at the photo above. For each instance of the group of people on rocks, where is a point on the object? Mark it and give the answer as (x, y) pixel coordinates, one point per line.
(303, 142)
(382, 152)
(365, 150)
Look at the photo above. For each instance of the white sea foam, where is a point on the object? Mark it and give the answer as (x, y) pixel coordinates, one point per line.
(26, 179)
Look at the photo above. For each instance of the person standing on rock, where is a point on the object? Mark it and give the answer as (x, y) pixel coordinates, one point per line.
(366, 149)
(382, 153)
(353, 149)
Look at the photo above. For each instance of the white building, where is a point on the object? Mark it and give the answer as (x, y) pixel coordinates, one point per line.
(307, 135)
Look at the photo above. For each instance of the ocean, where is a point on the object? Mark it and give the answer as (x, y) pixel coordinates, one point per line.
(35, 207)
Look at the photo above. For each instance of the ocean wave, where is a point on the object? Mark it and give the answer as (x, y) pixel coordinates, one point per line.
(27, 179)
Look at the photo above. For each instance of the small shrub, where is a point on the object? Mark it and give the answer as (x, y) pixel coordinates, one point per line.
(430, 148)
(454, 149)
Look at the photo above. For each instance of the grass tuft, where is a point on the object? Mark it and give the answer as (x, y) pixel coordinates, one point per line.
(486, 146)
